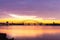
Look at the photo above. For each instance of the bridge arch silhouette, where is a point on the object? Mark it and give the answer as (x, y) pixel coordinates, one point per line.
(30, 22)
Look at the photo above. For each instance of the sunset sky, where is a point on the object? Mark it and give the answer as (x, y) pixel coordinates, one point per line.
(40, 8)
(14, 11)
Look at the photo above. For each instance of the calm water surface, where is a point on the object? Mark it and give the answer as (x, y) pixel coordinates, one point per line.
(31, 31)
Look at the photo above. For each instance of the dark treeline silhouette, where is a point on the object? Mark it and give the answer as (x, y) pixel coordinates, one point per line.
(3, 36)
(11, 24)
(52, 24)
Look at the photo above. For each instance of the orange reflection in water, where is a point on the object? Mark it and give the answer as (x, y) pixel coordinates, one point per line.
(29, 31)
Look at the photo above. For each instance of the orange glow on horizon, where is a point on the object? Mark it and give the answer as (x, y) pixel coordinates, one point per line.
(10, 20)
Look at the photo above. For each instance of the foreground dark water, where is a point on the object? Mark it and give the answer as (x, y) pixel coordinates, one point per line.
(32, 32)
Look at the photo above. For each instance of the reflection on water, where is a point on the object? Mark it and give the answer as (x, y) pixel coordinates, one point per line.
(31, 31)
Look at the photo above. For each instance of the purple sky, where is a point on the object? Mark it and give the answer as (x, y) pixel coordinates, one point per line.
(40, 8)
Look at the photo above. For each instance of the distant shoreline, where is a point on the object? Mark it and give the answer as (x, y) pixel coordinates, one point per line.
(4, 24)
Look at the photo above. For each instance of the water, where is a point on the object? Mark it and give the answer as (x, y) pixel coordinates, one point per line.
(32, 32)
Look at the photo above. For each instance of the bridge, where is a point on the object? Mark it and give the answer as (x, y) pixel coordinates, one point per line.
(30, 22)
